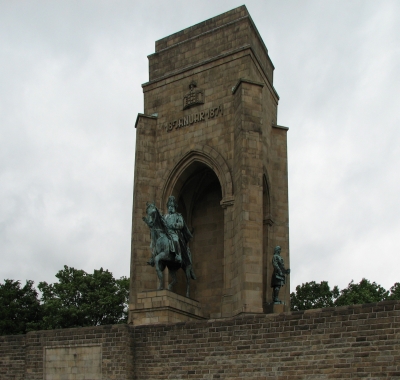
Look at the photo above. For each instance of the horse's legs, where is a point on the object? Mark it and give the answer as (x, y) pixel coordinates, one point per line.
(173, 276)
(159, 269)
(188, 276)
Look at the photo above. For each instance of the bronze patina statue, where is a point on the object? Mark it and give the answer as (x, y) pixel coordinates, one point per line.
(179, 233)
(279, 275)
(169, 243)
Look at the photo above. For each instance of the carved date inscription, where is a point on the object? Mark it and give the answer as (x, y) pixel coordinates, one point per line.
(210, 113)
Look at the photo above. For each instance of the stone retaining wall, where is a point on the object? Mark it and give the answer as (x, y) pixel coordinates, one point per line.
(12, 357)
(102, 352)
(348, 342)
(361, 341)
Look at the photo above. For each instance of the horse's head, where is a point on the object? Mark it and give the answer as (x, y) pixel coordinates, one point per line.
(152, 214)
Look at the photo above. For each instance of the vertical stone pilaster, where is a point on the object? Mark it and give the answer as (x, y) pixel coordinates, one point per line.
(142, 274)
(280, 204)
(226, 304)
(248, 172)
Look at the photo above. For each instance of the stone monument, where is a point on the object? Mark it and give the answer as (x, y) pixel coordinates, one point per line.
(210, 197)
(208, 136)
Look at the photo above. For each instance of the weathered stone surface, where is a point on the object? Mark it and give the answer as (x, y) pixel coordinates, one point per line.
(343, 343)
(103, 352)
(163, 306)
(360, 341)
(222, 156)
(71, 362)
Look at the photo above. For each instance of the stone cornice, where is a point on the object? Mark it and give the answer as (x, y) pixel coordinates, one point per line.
(141, 115)
(244, 80)
(162, 80)
(280, 127)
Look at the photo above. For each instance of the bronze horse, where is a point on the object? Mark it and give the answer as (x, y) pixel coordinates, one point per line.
(161, 255)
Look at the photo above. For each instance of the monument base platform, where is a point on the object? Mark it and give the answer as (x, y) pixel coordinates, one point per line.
(273, 308)
(164, 306)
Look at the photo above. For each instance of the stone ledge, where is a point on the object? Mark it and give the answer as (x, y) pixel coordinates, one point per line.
(280, 127)
(244, 80)
(164, 306)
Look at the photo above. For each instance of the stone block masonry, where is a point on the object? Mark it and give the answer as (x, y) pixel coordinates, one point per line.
(102, 352)
(12, 357)
(360, 341)
(350, 342)
(208, 136)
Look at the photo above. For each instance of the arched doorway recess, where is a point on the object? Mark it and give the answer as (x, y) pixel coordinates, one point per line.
(196, 183)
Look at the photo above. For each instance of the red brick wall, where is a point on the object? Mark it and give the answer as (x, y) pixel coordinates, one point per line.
(361, 341)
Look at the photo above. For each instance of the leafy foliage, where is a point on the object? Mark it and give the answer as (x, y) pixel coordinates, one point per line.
(364, 292)
(77, 299)
(83, 299)
(395, 292)
(313, 295)
(20, 309)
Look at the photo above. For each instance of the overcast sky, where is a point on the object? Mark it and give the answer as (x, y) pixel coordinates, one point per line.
(70, 91)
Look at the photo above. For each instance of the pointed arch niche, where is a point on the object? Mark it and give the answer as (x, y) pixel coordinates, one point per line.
(267, 237)
(202, 184)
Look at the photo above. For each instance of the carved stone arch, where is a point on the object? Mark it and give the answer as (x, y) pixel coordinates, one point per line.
(266, 178)
(267, 239)
(267, 212)
(202, 184)
(204, 155)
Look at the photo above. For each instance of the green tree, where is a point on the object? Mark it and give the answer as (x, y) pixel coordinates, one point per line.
(84, 299)
(364, 292)
(313, 295)
(395, 292)
(20, 309)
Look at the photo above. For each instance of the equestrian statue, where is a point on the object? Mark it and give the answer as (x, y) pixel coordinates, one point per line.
(169, 238)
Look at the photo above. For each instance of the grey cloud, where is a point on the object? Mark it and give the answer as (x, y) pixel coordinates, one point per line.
(71, 88)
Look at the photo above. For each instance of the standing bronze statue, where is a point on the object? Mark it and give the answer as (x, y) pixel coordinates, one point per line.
(279, 274)
(169, 238)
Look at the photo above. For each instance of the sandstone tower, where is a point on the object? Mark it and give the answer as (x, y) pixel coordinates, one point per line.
(209, 136)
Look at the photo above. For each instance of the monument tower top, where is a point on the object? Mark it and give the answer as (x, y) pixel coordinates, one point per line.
(235, 29)
(209, 137)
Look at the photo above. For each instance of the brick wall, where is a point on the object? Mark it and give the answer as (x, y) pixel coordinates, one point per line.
(348, 342)
(12, 357)
(361, 341)
(58, 354)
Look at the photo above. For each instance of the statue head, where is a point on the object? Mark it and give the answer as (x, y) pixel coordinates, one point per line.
(277, 250)
(172, 204)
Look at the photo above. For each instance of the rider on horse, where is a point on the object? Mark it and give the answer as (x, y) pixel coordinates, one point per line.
(178, 233)
(169, 237)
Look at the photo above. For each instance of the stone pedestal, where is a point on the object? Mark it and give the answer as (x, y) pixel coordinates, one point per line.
(163, 306)
(278, 308)
(274, 308)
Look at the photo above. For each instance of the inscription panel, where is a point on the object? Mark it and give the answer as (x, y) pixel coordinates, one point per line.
(194, 118)
(72, 363)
